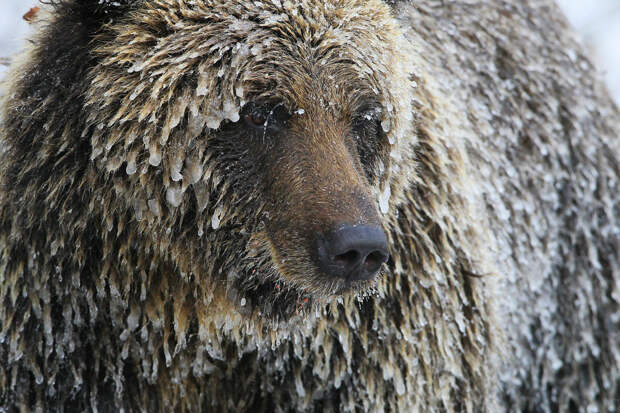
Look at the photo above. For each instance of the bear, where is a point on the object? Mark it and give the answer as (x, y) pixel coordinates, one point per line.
(332, 205)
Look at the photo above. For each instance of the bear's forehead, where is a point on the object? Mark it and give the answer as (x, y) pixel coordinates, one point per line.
(275, 26)
(257, 47)
(168, 58)
(311, 15)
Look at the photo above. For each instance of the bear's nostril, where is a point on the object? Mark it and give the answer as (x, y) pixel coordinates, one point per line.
(374, 260)
(353, 252)
(348, 258)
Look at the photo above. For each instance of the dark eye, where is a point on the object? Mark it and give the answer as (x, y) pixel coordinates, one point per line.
(368, 122)
(271, 116)
(369, 138)
(256, 119)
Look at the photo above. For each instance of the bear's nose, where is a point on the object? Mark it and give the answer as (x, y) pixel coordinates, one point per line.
(353, 252)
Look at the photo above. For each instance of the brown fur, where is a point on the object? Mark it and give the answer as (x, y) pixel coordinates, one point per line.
(156, 252)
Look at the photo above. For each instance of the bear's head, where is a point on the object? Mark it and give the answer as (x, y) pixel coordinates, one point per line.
(254, 141)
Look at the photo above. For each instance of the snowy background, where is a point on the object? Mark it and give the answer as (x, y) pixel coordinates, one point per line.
(597, 21)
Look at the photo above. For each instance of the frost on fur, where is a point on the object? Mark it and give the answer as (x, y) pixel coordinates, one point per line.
(165, 165)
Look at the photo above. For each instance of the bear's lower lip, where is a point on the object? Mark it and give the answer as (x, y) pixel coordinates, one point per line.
(354, 286)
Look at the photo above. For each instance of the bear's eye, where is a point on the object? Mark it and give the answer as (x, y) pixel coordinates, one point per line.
(368, 122)
(255, 119)
(265, 116)
(368, 137)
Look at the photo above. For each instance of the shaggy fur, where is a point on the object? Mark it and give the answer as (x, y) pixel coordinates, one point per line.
(155, 247)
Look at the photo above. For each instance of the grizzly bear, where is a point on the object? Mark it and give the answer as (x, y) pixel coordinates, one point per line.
(313, 205)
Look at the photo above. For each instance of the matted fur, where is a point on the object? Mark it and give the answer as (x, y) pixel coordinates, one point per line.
(136, 268)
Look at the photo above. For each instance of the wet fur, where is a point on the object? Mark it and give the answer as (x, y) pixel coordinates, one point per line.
(119, 291)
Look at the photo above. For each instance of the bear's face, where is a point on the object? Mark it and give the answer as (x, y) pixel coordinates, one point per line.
(318, 152)
(265, 128)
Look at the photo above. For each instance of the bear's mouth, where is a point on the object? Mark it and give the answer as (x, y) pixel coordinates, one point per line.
(265, 286)
(280, 301)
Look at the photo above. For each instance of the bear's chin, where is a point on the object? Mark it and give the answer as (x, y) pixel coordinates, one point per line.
(275, 298)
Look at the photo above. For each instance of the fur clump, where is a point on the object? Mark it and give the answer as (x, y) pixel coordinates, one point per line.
(154, 245)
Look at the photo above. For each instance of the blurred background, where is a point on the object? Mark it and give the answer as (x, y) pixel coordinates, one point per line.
(598, 24)
(596, 21)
